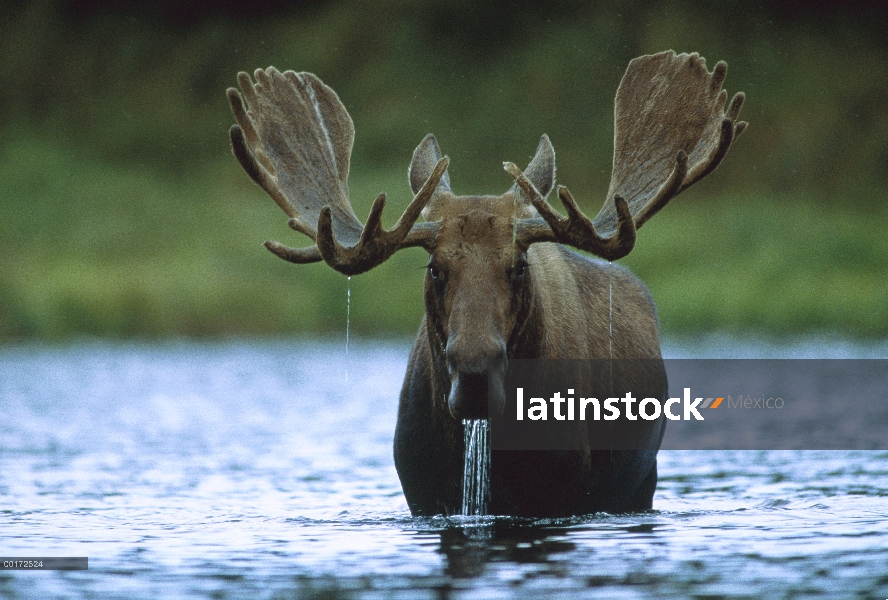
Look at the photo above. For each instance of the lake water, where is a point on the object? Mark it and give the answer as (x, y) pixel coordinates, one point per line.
(255, 470)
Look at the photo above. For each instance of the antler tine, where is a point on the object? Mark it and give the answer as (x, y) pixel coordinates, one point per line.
(240, 115)
(419, 202)
(376, 244)
(707, 166)
(264, 179)
(257, 172)
(536, 198)
(730, 130)
(668, 190)
(736, 105)
(299, 256)
(576, 229)
(422, 235)
(719, 72)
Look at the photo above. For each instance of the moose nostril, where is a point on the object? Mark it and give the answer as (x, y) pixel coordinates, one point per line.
(474, 385)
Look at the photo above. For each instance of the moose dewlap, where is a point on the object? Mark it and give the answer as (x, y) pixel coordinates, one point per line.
(501, 281)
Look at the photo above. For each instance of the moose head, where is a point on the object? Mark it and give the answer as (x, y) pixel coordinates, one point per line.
(500, 283)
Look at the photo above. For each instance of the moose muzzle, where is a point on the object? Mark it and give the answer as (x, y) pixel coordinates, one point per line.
(476, 382)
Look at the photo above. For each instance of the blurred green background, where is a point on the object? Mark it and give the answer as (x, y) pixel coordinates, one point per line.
(123, 213)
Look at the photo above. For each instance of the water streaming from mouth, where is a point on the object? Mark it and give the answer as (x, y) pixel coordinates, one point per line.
(476, 467)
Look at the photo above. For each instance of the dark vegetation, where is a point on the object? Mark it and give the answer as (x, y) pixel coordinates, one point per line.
(123, 213)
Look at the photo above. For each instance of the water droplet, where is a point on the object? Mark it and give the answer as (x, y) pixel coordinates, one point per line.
(610, 296)
(348, 302)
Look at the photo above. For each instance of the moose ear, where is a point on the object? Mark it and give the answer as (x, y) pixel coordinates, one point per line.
(425, 158)
(541, 170)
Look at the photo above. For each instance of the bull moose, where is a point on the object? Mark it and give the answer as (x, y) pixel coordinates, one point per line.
(501, 282)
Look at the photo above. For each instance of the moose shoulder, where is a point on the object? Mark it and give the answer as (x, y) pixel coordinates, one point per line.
(501, 282)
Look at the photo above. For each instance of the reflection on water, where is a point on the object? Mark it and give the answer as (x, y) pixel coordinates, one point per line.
(470, 549)
(254, 471)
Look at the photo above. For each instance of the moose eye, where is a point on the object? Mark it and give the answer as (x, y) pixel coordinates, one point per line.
(516, 275)
(435, 272)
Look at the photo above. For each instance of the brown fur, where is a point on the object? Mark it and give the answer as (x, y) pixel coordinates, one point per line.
(501, 284)
(561, 310)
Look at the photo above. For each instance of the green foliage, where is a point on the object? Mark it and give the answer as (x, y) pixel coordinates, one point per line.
(779, 264)
(122, 212)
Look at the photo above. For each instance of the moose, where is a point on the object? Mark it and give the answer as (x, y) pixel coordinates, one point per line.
(501, 282)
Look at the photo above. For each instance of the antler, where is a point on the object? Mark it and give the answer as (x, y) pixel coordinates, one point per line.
(671, 130)
(301, 138)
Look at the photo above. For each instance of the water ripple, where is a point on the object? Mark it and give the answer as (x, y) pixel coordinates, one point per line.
(256, 471)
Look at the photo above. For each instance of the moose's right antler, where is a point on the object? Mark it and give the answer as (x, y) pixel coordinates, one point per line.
(301, 138)
(671, 130)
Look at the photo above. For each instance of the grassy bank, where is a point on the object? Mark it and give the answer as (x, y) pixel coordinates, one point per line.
(122, 212)
(96, 248)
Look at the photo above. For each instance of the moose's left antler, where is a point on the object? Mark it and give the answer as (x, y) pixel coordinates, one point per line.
(671, 130)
